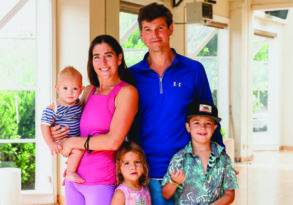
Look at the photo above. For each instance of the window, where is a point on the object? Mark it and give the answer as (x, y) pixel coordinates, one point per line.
(202, 44)
(25, 88)
(133, 47)
(260, 83)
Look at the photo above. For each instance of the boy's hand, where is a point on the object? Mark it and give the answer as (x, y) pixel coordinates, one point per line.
(178, 177)
(54, 147)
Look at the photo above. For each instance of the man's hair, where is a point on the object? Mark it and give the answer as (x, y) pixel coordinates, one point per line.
(153, 11)
(70, 71)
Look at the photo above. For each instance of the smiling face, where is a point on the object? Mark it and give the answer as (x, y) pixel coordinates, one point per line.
(68, 89)
(106, 61)
(131, 167)
(201, 129)
(156, 34)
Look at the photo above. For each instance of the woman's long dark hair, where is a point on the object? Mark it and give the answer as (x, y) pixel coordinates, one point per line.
(122, 69)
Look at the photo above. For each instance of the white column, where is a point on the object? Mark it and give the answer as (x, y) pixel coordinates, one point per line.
(240, 78)
(10, 180)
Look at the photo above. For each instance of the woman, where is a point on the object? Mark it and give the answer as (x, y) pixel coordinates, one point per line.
(110, 107)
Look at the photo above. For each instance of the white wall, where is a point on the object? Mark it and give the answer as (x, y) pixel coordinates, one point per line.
(287, 84)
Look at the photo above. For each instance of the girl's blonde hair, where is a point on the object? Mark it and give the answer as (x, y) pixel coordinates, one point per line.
(131, 147)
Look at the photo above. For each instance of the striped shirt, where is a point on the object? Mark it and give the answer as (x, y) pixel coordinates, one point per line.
(65, 116)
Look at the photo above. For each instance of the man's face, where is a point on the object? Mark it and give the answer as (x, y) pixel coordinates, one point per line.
(156, 34)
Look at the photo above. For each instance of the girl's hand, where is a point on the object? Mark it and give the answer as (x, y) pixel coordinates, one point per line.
(58, 133)
(178, 177)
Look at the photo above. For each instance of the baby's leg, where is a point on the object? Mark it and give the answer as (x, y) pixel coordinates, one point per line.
(72, 164)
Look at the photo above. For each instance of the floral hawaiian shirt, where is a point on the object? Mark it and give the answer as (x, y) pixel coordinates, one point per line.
(201, 188)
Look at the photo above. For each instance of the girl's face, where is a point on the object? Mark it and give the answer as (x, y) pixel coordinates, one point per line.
(68, 90)
(106, 61)
(131, 167)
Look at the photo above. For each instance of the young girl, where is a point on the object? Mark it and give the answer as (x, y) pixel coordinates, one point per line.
(132, 176)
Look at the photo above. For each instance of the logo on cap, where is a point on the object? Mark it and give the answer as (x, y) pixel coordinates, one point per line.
(205, 108)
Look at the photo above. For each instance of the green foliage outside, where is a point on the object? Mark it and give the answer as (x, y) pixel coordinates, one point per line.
(134, 48)
(134, 41)
(260, 79)
(211, 48)
(11, 127)
(262, 54)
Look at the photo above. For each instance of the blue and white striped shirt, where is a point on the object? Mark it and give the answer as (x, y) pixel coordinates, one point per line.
(65, 116)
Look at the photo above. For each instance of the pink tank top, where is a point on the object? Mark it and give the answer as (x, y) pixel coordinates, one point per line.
(132, 197)
(98, 167)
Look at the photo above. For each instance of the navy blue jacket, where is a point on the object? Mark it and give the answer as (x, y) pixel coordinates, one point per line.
(160, 124)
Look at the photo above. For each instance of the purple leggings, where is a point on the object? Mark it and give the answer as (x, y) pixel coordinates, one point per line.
(78, 194)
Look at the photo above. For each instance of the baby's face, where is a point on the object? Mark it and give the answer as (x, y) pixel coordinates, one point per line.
(68, 90)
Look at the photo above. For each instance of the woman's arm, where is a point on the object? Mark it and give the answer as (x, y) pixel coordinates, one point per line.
(226, 199)
(126, 103)
(118, 198)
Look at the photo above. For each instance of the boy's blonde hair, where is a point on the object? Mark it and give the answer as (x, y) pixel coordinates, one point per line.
(131, 147)
(70, 71)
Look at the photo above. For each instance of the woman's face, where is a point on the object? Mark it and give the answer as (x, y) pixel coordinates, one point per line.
(106, 61)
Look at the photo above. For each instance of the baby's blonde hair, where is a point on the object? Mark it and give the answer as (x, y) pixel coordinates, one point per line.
(69, 71)
(131, 147)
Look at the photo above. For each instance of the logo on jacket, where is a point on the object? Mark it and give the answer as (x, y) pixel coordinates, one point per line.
(177, 84)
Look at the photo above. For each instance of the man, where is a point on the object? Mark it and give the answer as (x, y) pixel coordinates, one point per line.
(167, 83)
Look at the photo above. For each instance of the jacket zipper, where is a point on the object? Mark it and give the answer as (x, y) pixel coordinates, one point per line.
(161, 85)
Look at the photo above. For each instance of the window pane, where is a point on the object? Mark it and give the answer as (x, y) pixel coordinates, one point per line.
(260, 84)
(17, 64)
(18, 57)
(23, 157)
(20, 19)
(133, 47)
(17, 111)
(202, 45)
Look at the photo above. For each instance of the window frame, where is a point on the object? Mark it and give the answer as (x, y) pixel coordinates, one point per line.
(45, 187)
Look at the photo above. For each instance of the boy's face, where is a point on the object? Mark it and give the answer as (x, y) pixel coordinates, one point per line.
(201, 128)
(68, 90)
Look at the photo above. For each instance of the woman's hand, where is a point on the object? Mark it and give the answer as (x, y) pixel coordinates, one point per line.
(59, 133)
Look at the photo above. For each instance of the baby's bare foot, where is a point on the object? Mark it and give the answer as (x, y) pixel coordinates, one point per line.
(72, 176)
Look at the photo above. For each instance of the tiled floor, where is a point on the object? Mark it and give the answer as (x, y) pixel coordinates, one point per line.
(267, 180)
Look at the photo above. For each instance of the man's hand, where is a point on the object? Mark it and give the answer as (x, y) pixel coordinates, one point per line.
(58, 133)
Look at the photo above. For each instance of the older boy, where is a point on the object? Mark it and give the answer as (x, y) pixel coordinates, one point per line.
(201, 173)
